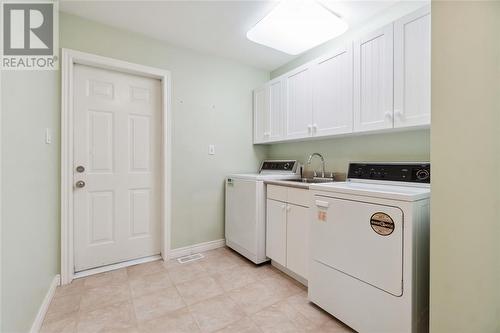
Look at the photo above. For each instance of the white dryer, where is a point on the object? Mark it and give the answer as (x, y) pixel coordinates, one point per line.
(245, 220)
(369, 262)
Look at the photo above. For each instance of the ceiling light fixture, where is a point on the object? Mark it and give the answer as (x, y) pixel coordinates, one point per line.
(295, 26)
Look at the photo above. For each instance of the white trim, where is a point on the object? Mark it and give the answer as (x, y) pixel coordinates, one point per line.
(200, 247)
(112, 267)
(1, 199)
(69, 59)
(40, 316)
(290, 273)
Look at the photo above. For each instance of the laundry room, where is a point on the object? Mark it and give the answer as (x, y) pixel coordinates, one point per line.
(249, 166)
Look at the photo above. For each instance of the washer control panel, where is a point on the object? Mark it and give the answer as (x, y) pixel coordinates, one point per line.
(400, 172)
(279, 166)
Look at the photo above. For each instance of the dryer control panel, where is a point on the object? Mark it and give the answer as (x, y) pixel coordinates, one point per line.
(399, 172)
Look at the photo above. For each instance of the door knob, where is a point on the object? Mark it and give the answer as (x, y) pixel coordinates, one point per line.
(80, 184)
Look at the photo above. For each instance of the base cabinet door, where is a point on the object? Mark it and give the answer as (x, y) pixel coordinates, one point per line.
(276, 231)
(297, 239)
(412, 69)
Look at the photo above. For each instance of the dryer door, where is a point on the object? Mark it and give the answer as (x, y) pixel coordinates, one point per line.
(362, 240)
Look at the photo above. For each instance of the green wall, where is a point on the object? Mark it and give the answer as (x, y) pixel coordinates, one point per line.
(30, 194)
(338, 152)
(211, 103)
(465, 156)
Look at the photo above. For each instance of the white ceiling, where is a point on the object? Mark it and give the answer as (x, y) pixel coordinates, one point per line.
(212, 27)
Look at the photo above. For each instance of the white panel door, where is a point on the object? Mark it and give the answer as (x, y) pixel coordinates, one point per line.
(342, 237)
(260, 115)
(276, 231)
(332, 93)
(117, 140)
(297, 234)
(298, 103)
(373, 81)
(412, 69)
(275, 115)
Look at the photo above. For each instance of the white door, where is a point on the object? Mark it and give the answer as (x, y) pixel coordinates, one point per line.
(276, 231)
(362, 240)
(373, 81)
(412, 69)
(117, 151)
(275, 91)
(260, 112)
(332, 94)
(298, 104)
(297, 234)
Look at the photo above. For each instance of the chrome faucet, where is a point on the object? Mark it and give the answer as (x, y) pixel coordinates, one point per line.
(322, 163)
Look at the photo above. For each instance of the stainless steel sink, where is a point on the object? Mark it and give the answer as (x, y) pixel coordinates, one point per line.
(312, 180)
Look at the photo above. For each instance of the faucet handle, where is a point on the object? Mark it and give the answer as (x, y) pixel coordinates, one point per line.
(315, 174)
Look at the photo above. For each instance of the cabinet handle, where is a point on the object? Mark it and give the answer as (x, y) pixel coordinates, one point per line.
(309, 128)
(399, 114)
(288, 208)
(283, 207)
(322, 204)
(315, 128)
(388, 115)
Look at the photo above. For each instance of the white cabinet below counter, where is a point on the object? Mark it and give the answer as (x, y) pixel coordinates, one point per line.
(287, 228)
(379, 82)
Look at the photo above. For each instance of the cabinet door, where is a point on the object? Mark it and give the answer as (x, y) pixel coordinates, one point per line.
(298, 103)
(297, 239)
(373, 81)
(332, 93)
(260, 112)
(276, 231)
(276, 119)
(412, 69)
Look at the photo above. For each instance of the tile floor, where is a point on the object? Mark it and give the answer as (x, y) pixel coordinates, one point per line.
(222, 292)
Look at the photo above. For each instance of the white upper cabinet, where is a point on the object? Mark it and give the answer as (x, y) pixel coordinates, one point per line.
(298, 103)
(260, 123)
(412, 69)
(373, 81)
(275, 116)
(332, 93)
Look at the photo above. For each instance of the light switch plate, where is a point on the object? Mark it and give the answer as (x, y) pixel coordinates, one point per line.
(48, 136)
(211, 149)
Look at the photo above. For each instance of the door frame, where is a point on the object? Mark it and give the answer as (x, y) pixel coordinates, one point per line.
(69, 59)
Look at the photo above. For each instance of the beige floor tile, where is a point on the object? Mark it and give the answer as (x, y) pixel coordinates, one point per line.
(62, 307)
(199, 289)
(216, 313)
(106, 278)
(221, 263)
(104, 295)
(157, 304)
(235, 278)
(187, 272)
(245, 325)
(180, 321)
(263, 271)
(283, 286)
(65, 325)
(75, 287)
(117, 317)
(333, 326)
(272, 319)
(312, 312)
(255, 296)
(150, 283)
(145, 269)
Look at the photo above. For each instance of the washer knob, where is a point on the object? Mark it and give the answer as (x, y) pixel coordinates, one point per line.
(422, 174)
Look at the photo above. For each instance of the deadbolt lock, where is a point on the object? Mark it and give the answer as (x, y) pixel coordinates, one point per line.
(80, 168)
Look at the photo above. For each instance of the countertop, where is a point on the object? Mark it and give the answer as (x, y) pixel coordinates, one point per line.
(288, 183)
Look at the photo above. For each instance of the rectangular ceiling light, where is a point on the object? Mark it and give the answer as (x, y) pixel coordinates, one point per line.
(295, 26)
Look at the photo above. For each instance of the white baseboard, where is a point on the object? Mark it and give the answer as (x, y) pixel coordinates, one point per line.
(40, 316)
(201, 247)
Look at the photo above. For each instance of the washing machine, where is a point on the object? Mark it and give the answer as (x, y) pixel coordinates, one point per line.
(245, 211)
(369, 264)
